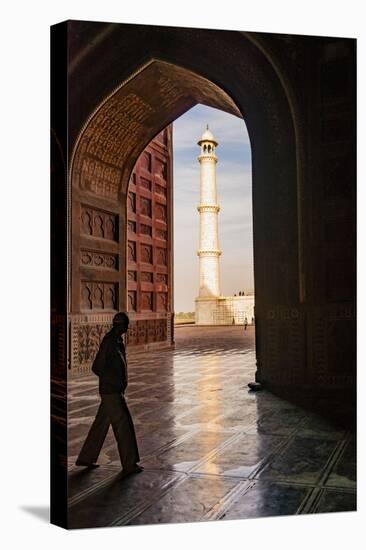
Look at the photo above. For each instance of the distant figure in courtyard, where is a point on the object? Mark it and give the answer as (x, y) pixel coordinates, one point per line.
(245, 323)
(110, 366)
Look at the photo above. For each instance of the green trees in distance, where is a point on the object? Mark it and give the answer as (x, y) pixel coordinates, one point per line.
(185, 315)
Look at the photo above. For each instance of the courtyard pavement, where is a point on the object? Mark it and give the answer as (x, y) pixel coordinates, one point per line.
(211, 449)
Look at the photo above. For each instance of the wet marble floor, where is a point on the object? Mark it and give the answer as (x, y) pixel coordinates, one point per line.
(211, 449)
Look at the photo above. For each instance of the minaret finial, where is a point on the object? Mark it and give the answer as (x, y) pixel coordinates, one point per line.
(206, 126)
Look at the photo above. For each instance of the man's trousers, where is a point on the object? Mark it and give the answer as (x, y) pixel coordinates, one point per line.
(112, 410)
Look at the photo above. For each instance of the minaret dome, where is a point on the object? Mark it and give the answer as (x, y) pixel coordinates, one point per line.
(207, 142)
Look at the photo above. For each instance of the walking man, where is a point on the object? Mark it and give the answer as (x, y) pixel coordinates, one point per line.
(110, 366)
(245, 323)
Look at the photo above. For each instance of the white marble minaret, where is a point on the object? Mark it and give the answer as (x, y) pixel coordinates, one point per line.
(211, 307)
(209, 251)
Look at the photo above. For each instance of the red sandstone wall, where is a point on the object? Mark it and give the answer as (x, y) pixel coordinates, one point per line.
(149, 213)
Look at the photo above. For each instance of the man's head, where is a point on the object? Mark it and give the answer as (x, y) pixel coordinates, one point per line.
(121, 322)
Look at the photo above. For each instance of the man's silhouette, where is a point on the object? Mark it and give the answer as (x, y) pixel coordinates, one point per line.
(110, 366)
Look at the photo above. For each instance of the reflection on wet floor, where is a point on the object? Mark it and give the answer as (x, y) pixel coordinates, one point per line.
(211, 449)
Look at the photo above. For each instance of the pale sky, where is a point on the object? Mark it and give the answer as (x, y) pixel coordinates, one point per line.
(234, 190)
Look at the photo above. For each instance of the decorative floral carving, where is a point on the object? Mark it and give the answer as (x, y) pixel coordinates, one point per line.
(88, 340)
(103, 260)
(151, 330)
(86, 258)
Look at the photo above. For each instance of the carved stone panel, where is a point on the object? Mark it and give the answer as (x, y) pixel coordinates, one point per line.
(161, 256)
(146, 184)
(131, 251)
(132, 226)
(146, 229)
(160, 212)
(98, 295)
(102, 260)
(100, 178)
(160, 190)
(162, 278)
(145, 206)
(131, 201)
(146, 254)
(147, 301)
(162, 301)
(147, 277)
(87, 332)
(146, 161)
(161, 169)
(98, 223)
(147, 331)
(161, 234)
(131, 300)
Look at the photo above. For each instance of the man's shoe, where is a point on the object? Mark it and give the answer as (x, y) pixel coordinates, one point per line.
(89, 465)
(136, 469)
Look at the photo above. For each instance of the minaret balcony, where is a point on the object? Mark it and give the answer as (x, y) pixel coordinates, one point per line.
(211, 252)
(207, 156)
(208, 208)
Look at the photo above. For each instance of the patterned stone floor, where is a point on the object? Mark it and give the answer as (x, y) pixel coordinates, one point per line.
(211, 449)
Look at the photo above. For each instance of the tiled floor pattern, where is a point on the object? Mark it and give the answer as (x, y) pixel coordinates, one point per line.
(211, 449)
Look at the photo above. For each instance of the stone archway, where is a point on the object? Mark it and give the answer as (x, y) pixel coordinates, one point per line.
(105, 151)
(104, 156)
(282, 86)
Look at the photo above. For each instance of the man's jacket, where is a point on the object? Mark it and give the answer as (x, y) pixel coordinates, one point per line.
(110, 364)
